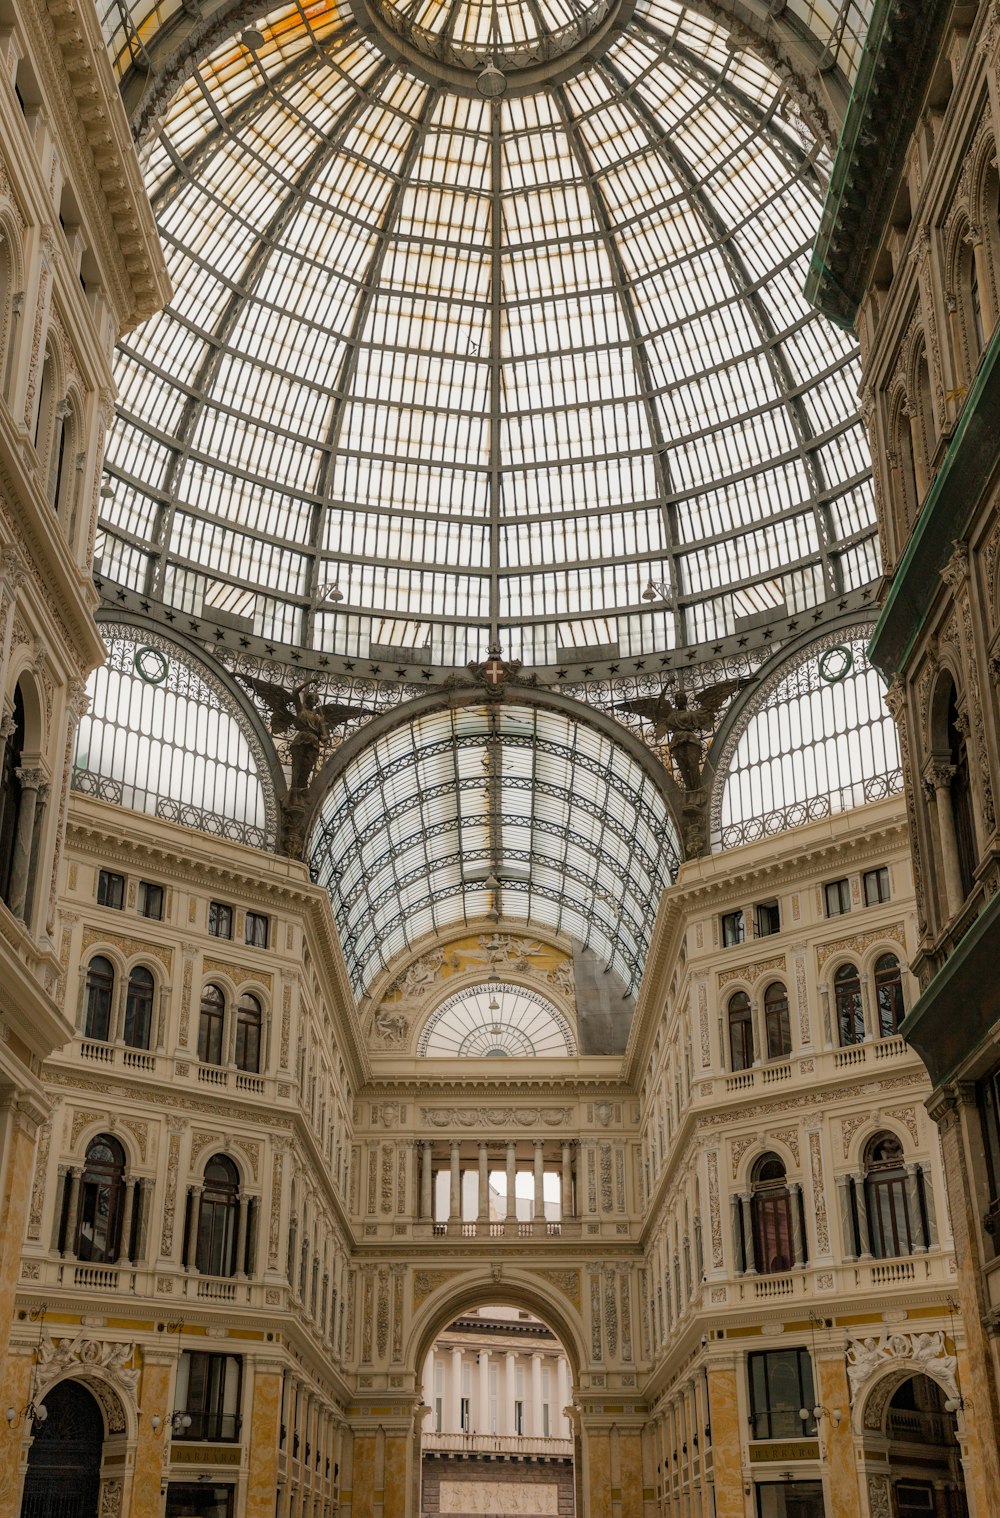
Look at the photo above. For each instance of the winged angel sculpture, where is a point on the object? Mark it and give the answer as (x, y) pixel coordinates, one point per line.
(311, 723)
(684, 726)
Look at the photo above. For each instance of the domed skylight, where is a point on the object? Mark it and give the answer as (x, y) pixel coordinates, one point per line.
(441, 371)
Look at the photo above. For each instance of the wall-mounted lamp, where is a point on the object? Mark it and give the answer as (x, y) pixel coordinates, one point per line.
(179, 1420)
(32, 1414)
(834, 1413)
(953, 1404)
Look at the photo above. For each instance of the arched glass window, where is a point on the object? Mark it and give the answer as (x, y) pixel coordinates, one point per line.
(850, 1013)
(890, 1226)
(10, 794)
(889, 995)
(771, 1214)
(740, 1032)
(249, 1020)
(100, 991)
(102, 1190)
(139, 1008)
(211, 1024)
(961, 797)
(977, 334)
(776, 1025)
(220, 1200)
(46, 407)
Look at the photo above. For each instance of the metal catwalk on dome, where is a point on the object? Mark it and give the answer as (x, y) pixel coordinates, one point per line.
(441, 371)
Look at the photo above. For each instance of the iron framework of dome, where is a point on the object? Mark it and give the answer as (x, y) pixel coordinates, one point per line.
(442, 372)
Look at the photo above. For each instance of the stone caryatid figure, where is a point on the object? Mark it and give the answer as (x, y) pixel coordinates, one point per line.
(684, 723)
(310, 722)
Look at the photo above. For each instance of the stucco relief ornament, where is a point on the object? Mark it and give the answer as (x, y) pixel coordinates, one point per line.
(56, 1357)
(923, 1352)
(392, 1028)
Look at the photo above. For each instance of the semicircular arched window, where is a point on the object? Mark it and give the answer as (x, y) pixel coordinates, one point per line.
(496, 1020)
(217, 1218)
(139, 1008)
(889, 995)
(100, 989)
(740, 1021)
(102, 1191)
(849, 1006)
(777, 1027)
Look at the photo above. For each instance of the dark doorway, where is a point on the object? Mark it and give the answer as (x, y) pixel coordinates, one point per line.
(201, 1501)
(63, 1479)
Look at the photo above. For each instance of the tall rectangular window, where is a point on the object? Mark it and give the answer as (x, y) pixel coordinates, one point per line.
(732, 929)
(256, 930)
(876, 883)
(781, 1385)
(110, 890)
(988, 1099)
(208, 1392)
(150, 900)
(220, 919)
(838, 897)
(767, 919)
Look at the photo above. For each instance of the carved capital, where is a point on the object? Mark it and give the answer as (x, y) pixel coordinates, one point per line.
(938, 775)
(31, 779)
(956, 571)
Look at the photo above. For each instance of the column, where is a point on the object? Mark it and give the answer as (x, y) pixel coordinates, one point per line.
(511, 1216)
(455, 1398)
(241, 1236)
(937, 779)
(72, 1213)
(798, 1241)
(537, 1427)
(739, 1260)
(426, 1182)
(748, 1233)
(566, 1189)
(539, 1214)
(482, 1424)
(30, 780)
(846, 1217)
(483, 1211)
(509, 1392)
(194, 1192)
(38, 824)
(560, 1423)
(126, 1228)
(455, 1206)
(861, 1202)
(915, 1210)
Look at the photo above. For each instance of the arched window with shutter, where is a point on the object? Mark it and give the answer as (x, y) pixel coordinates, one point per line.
(771, 1215)
(249, 1021)
(849, 1006)
(100, 990)
(211, 1025)
(889, 995)
(740, 1032)
(102, 1192)
(777, 1028)
(139, 1008)
(220, 1199)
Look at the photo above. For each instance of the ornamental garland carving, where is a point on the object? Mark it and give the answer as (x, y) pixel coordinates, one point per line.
(714, 1209)
(56, 1358)
(752, 972)
(170, 1200)
(860, 943)
(427, 1282)
(38, 1183)
(819, 1193)
(274, 1223)
(129, 948)
(495, 1117)
(237, 973)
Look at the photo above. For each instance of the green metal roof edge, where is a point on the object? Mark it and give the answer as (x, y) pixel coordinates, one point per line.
(823, 289)
(899, 601)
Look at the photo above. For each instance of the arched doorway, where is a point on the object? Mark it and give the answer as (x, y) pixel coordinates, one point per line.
(63, 1479)
(925, 1471)
(496, 1382)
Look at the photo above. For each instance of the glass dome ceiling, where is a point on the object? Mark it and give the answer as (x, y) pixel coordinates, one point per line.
(441, 372)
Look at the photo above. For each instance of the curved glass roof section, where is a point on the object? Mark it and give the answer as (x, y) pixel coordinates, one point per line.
(495, 1020)
(441, 372)
(816, 738)
(164, 736)
(493, 812)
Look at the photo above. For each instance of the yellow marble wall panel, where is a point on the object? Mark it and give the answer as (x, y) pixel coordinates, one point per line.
(630, 1476)
(265, 1423)
(837, 1441)
(16, 1391)
(727, 1441)
(363, 1483)
(597, 1483)
(13, 1213)
(154, 1397)
(394, 1476)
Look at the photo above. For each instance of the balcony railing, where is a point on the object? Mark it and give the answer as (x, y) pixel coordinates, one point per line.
(515, 1445)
